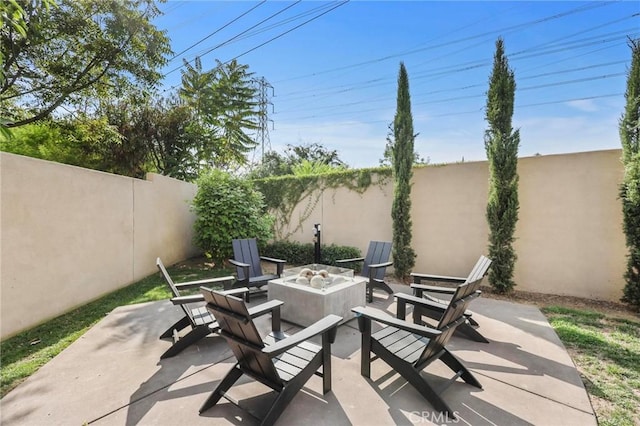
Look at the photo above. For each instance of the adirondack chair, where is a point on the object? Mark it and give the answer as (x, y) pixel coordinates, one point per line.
(409, 348)
(374, 266)
(436, 310)
(196, 314)
(285, 364)
(246, 259)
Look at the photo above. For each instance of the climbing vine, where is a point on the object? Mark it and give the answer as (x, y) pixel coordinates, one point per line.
(282, 194)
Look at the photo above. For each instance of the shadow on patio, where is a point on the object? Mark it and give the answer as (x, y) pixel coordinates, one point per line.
(113, 375)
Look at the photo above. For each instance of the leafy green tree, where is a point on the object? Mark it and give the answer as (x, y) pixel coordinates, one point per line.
(75, 51)
(274, 164)
(82, 141)
(12, 18)
(306, 168)
(224, 99)
(501, 144)
(228, 207)
(176, 141)
(403, 157)
(136, 124)
(630, 188)
(314, 152)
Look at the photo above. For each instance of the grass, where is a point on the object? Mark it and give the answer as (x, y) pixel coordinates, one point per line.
(23, 354)
(606, 350)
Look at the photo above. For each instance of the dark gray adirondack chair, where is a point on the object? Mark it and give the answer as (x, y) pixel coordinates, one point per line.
(436, 309)
(246, 259)
(196, 314)
(374, 266)
(409, 348)
(284, 365)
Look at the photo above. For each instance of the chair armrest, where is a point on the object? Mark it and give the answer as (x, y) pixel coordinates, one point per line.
(380, 265)
(199, 283)
(183, 300)
(418, 302)
(319, 327)
(272, 260)
(245, 271)
(272, 306)
(373, 268)
(384, 318)
(355, 259)
(420, 288)
(238, 264)
(279, 263)
(418, 278)
(264, 308)
(231, 292)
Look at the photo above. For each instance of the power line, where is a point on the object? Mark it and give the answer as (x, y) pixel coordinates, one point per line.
(290, 30)
(216, 31)
(583, 8)
(268, 41)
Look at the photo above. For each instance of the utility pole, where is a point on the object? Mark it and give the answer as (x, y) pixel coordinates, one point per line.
(262, 137)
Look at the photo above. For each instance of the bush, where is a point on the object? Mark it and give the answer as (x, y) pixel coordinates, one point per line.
(227, 208)
(302, 253)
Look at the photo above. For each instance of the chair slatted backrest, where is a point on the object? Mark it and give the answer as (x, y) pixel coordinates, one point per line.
(480, 269)
(378, 252)
(454, 314)
(174, 289)
(452, 317)
(238, 328)
(246, 251)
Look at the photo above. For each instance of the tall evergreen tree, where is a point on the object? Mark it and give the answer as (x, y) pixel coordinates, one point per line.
(630, 188)
(501, 144)
(403, 156)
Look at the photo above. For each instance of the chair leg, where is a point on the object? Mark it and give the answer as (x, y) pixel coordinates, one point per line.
(232, 376)
(292, 387)
(326, 363)
(455, 365)
(413, 376)
(179, 325)
(364, 325)
(383, 286)
(189, 339)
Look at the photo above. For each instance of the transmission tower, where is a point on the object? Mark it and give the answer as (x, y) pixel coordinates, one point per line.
(262, 137)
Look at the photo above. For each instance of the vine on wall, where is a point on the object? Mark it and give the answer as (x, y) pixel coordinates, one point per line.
(282, 194)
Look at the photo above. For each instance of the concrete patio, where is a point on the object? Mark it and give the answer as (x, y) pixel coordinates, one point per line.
(113, 375)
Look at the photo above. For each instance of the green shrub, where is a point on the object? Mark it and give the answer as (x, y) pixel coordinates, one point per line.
(303, 253)
(226, 208)
(332, 252)
(293, 252)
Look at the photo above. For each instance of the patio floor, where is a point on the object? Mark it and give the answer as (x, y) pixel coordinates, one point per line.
(113, 375)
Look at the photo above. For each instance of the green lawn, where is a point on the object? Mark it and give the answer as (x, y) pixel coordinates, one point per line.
(23, 354)
(606, 348)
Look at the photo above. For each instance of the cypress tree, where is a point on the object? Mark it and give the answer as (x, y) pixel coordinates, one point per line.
(402, 156)
(630, 188)
(501, 144)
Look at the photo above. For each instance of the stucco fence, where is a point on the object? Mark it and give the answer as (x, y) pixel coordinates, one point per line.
(70, 235)
(569, 237)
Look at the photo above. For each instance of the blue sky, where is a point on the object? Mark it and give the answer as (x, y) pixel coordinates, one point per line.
(334, 77)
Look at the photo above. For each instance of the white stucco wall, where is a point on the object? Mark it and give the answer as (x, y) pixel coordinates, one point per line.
(70, 235)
